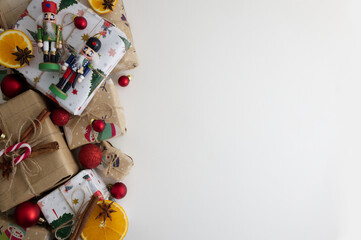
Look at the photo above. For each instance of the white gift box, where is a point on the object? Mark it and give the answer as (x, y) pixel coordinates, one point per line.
(65, 202)
(114, 45)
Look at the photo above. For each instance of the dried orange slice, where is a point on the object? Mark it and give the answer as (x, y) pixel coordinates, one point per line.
(11, 41)
(111, 229)
(102, 6)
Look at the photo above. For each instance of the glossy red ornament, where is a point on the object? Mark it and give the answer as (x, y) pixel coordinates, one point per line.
(119, 190)
(98, 125)
(124, 80)
(60, 117)
(27, 214)
(90, 156)
(80, 22)
(12, 85)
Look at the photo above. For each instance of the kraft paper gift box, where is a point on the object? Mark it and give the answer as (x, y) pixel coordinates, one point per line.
(115, 164)
(10, 230)
(34, 175)
(64, 203)
(105, 105)
(114, 45)
(119, 18)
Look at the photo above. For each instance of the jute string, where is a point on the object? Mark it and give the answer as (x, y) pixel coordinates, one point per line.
(71, 222)
(29, 167)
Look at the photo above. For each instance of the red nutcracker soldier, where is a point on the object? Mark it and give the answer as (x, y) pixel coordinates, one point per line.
(49, 36)
(77, 67)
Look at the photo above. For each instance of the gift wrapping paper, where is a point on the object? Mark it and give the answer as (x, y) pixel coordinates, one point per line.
(14, 9)
(114, 45)
(65, 202)
(115, 164)
(11, 231)
(105, 105)
(44, 171)
(119, 18)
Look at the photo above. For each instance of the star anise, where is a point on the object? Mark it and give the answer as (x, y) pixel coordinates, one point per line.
(106, 211)
(108, 4)
(23, 55)
(6, 167)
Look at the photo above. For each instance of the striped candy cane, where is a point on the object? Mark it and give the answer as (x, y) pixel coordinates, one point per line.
(17, 146)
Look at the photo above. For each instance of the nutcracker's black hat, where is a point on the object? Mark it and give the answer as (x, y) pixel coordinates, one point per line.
(94, 43)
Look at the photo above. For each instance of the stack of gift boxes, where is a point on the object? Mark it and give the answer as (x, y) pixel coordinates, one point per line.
(38, 159)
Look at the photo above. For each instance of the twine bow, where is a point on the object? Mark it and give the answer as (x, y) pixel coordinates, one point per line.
(13, 155)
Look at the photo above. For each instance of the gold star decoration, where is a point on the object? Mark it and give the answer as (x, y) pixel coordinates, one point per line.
(85, 37)
(106, 211)
(36, 80)
(75, 201)
(23, 55)
(108, 4)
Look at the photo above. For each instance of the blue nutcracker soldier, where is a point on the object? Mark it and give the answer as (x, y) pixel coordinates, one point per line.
(76, 67)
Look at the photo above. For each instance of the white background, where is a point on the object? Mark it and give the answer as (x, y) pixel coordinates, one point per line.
(244, 120)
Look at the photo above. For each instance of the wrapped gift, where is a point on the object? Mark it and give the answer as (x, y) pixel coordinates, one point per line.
(10, 230)
(82, 77)
(119, 18)
(62, 206)
(37, 174)
(12, 10)
(115, 165)
(105, 105)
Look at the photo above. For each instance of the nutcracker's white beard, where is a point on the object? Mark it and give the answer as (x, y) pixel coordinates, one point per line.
(78, 61)
(50, 30)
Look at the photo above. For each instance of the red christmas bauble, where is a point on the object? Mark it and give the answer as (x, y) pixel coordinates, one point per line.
(60, 117)
(98, 125)
(90, 156)
(27, 214)
(124, 80)
(119, 190)
(80, 22)
(12, 85)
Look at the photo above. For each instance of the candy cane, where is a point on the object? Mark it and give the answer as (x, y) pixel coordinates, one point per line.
(17, 146)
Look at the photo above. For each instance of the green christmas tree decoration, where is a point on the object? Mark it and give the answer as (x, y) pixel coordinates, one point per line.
(126, 43)
(96, 79)
(34, 35)
(63, 232)
(66, 3)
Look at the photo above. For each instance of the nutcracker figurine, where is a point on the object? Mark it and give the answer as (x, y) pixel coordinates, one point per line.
(77, 67)
(49, 37)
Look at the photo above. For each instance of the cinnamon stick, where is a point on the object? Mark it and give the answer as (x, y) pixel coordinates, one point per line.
(84, 217)
(30, 130)
(45, 148)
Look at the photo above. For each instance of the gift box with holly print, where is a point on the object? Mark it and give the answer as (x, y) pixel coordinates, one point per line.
(80, 90)
(64, 204)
